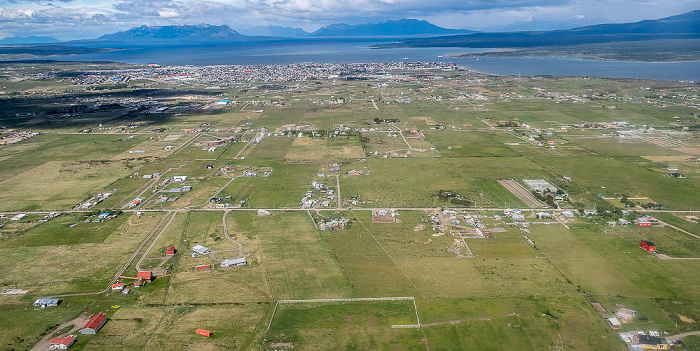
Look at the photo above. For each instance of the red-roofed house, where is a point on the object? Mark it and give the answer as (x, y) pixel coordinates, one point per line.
(145, 275)
(62, 343)
(118, 286)
(170, 250)
(94, 324)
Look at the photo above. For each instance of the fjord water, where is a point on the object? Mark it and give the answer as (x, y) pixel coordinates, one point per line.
(358, 50)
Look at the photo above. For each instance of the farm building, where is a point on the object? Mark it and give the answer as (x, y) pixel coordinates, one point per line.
(647, 246)
(540, 185)
(179, 178)
(145, 275)
(62, 343)
(18, 217)
(543, 215)
(201, 250)
(203, 332)
(614, 322)
(94, 325)
(47, 302)
(118, 286)
(202, 267)
(234, 262)
(104, 215)
(170, 250)
(643, 222)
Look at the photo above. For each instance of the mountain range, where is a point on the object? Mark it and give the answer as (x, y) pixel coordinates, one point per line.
(684, 26)
(207, 32)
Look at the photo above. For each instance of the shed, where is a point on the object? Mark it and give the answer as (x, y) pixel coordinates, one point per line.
(647, 246)
(202, 267)
(203, 332)
(614, 323)
(170, 250)
(62, 343)
(94, 324)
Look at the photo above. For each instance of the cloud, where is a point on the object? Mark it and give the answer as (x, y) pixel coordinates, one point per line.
(70, 18)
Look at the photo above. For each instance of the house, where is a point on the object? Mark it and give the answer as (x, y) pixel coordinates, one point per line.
(201, 250)
(647, 246)
(649, 342)
(234, 262)
(203, 332)
(145, 275)
(118, 286)
(179, 178)
(170, 250)
(47, 302)
(518, 217)
(62, 343)
(94, 324)
(614, 323)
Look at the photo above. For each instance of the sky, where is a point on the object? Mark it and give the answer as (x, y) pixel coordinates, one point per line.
(85, 19)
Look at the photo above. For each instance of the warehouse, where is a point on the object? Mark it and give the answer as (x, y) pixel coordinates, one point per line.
(233, 262)
(94, 324)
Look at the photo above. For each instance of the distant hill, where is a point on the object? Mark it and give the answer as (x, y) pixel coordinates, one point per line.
(389, 28)
(274, 31)
(202, 32)
(684, 26)
(29, 40)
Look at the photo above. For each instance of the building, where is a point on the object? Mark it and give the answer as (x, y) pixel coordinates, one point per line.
(94, 324)
(47, 302)
(234, 262)
(543, 215)
(649, 342)
(145, 275)
(19, 217)
(201, 250)
(202, 267)
(104, 215)
(647, 246)
(118, 286)
(62, 343)
(614, 323)
(170, 250)
(203, 332)
(625, 315)
(643, 222)
(179, 178)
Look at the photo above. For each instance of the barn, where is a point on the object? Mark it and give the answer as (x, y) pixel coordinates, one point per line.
(647, 246)
(94, 324)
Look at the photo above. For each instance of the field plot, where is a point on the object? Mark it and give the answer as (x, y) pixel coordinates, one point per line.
(611, 176)
(29, 154)
(466, 144)
(62, 260)
(428, 176)
(317, 149)
(528, 323)
(284, 187)
(60, 185)
(498, 194)
(337, 325)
